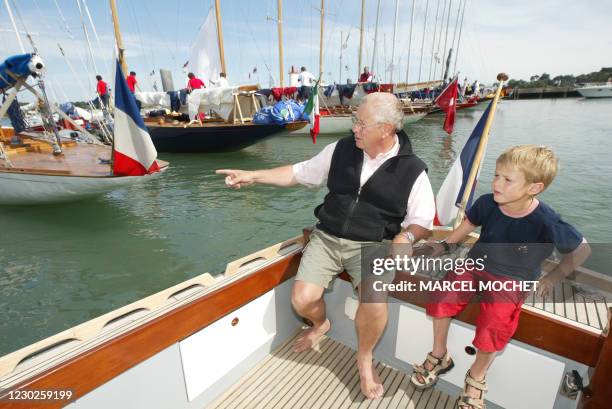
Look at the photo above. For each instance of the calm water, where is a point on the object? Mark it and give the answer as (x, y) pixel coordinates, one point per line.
(62, 265)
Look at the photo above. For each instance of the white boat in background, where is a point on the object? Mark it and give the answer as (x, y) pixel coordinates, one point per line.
(596, 90)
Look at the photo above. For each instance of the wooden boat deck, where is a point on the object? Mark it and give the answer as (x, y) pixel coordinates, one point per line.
(324, 377)
(36, 156)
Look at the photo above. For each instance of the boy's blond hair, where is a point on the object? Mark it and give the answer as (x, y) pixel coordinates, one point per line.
(538, 163)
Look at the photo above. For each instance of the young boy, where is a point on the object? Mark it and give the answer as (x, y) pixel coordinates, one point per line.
(518, 232)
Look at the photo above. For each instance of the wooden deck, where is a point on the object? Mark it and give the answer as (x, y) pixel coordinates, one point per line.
(325, 377)
(77, 159)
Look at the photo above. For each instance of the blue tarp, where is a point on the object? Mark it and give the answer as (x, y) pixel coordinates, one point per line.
(281, 113)
(18, 64)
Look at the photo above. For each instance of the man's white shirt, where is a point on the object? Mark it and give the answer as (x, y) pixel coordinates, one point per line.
(306, 78)
(421, 208)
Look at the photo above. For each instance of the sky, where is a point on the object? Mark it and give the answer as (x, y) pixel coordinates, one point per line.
(519, 37)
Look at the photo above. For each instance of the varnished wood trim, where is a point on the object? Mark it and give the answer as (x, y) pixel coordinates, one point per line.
(94, 368)
(600, 388)
(534, 329)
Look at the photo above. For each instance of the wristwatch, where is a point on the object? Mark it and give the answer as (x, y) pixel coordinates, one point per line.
(409, 236)
(448, 247)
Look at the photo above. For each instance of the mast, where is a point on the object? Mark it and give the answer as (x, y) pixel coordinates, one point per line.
(410, 40)
(423, 40)
(459, 39)
(220, 35)
(375, 36)
(10, 13)
(433, 43)
(280, 42)
(321, 40)
(394, 35)
(360, 39)
(118, 37)
(341, 46)
(446, 39)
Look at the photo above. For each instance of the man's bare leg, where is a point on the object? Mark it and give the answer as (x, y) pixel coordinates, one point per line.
(370, 322)
(307, 300)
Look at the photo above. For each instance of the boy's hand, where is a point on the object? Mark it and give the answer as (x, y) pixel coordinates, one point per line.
(546, 284)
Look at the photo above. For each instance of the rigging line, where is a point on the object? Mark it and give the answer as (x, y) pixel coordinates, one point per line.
(178, 11)
(71, 35)
(93, 61)
(50, 30)
(439, 40)
(93, 27)
(459, 39)
(433, 43)
(257, 46)
(375, 34)
(423, 39)
(456, 24)
(327, 47)
(10, 13)
(410, 40)
(446, 37)
(148, 56)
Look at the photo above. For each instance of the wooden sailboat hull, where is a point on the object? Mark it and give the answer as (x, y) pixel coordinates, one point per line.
(213, 138)
(20, 188)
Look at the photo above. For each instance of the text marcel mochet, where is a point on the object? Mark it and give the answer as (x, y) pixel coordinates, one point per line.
(457, 265)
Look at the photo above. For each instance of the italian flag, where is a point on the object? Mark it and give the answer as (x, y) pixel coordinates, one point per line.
(313, 105)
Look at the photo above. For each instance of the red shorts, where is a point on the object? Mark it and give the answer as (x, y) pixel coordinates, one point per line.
(499, 310)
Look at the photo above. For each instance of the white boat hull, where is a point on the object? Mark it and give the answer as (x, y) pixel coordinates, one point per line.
(343, 124)
(596, 91)
(33, 189)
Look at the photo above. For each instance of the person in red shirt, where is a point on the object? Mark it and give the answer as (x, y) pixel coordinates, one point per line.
(102, 90)
(194, 82)
(131, 81)
(366, 75)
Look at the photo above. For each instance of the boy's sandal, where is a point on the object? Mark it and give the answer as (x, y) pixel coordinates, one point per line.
(465, 401)
(429, 377)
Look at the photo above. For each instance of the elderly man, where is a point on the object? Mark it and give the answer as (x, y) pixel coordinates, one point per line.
(378, 191)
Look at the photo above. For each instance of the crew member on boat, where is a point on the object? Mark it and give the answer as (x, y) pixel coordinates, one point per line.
(102, 89)
(132, 81)
(221, 82)
(378, 192)
(194, 82)
(366, 75)
(306, 81)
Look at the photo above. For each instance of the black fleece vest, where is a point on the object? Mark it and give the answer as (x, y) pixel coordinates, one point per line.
(376, 211)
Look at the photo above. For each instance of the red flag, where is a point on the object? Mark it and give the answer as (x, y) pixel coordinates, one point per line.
(447, 101)
(314, 131)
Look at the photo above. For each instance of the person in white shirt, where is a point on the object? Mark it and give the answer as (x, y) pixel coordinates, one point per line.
(378, 192)
(222, 82)
(306, 81)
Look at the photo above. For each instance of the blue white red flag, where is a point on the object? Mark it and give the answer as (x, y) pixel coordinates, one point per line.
(450, 194)
(133, 151)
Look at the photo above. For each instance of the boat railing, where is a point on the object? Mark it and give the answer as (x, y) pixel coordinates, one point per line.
(40, 356)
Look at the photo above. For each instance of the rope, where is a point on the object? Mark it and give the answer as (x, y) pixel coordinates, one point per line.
(459, 39)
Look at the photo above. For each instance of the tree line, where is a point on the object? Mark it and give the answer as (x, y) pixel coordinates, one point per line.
(544, 80)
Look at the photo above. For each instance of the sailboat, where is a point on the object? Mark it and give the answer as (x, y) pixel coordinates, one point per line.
(225, 341)
(232, 128)
(41, 168)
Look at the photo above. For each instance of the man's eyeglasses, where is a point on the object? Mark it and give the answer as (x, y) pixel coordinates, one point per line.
(358, 123)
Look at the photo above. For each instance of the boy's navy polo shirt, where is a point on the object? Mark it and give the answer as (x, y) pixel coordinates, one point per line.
(517, 246)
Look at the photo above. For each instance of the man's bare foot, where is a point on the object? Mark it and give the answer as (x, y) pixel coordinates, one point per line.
(371, 386)
(309, 337)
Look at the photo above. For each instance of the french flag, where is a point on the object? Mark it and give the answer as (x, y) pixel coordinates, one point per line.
(133, 151)
(450, 194)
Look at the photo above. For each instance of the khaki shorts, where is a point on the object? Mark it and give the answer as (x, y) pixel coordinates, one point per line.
(326, 256)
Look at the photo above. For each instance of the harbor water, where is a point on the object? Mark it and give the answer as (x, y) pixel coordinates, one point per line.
(62, 265)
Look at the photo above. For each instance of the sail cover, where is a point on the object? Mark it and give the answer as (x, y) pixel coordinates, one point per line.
(204, 60)
(133, 151)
